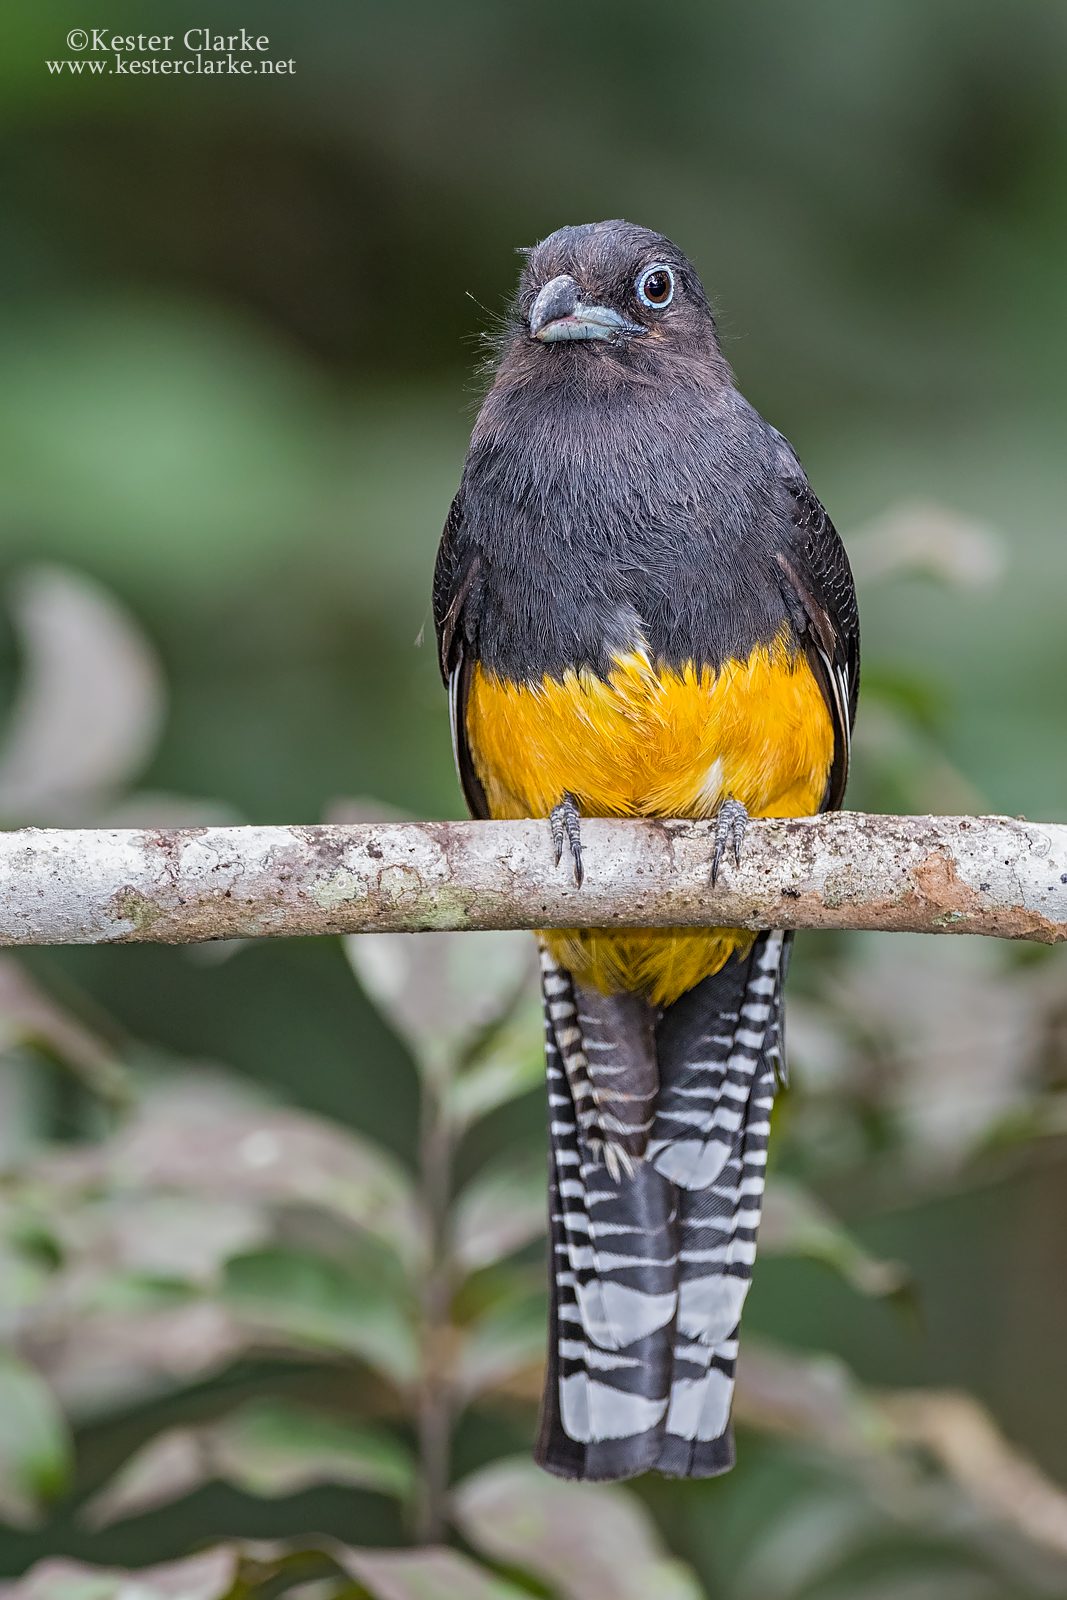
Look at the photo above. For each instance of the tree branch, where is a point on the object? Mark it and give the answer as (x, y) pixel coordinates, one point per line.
(988, 875)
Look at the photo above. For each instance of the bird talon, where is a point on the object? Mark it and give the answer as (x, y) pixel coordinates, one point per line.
(731, 823)
(617, 1161)
(566, 823)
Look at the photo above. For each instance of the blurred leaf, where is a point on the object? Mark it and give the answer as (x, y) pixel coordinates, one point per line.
(958, 1057)
(904, 769)
(803, 1396)
(498, 1212)
(796, 1223)
(513, 1066)
(442, 992)
(270, 1447)
(809, 1539)
(24, 1280)
(430, 1574)
(107, 1360)
(589, 1541)
(166, 441)
(21, 1111)
(189, 1135)
(506, 1339)
(91, 700)
(28, 1016)
(916, 697)
(346, 809)
(165, 1469)
(1002, 1481)
(928, 539)
(35, 1444)
(155, 808)
(206, 1576)
(433, 1573)
(821, 1057)
(267, 1447)
(304, 1300)
(181, 1236)
(985, 1483)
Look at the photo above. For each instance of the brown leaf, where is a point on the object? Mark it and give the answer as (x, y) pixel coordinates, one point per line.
(804, 1396)
(207, 1576)
(1002, 1481)
(434, 1573)
(499, 1211)
(193, 1135)
(167, 1468)
(441, 990)
(184, 1236)
(817, 1398)
(588, 1541)
(116, 1358)
(958, 1057)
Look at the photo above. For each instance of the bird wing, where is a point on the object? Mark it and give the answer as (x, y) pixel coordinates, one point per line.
(455, 596)
(817, 584)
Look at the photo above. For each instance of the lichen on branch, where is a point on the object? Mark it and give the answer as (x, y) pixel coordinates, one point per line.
(997, 876)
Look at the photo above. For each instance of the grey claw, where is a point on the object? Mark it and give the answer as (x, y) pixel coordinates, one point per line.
(566, 822)
(731, 821)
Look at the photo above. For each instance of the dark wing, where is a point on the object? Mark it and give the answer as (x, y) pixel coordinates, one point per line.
(455, 584)
(818, 588)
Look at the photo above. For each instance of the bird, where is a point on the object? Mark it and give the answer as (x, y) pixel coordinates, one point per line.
(643, 610)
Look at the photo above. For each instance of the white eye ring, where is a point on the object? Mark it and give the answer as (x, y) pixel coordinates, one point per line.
(642, 279)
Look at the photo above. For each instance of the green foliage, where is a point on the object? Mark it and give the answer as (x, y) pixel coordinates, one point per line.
(258, 1227)
(200, 1225)
(265, 1447)
(35, 1445)
(297, 1298)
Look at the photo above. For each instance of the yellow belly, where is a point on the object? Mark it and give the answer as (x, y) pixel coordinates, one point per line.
(652, 741)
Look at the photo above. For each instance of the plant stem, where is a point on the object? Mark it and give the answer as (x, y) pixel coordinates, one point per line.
(436, 1412)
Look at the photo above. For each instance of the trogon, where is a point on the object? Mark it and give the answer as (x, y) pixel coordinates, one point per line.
(643, 610)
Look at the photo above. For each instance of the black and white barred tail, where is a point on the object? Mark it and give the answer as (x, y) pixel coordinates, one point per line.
(655, 1192)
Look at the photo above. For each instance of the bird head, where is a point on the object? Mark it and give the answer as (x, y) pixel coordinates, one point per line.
(612, 287)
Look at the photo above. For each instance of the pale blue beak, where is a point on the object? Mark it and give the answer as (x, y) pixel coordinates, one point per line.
(559, 314)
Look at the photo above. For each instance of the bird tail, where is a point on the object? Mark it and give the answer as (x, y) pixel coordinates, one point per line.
(651, 1258)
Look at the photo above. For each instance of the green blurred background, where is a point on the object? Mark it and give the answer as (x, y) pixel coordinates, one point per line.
(238, 331)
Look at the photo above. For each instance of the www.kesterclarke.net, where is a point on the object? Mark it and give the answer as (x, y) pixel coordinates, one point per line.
(102, 52)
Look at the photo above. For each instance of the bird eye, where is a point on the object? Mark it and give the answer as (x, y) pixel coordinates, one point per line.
(655, 287)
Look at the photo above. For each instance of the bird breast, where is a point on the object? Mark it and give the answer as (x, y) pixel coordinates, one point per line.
(652, 740)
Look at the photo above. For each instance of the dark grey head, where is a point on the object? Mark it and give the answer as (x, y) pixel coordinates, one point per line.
(610, 299)
(610, 281)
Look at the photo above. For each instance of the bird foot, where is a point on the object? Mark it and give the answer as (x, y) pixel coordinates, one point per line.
(617, 1160)
(731, 822)
(566, 823)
